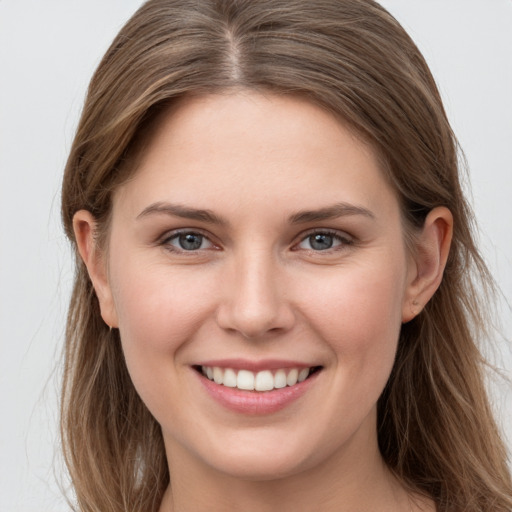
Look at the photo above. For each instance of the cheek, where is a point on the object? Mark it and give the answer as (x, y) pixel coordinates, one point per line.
(358, 313)
(159, 312)
(157, 318)
(360, 299)
(157, 305)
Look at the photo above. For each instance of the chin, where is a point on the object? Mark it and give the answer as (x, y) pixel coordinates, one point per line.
(267, 467)
(269, 457)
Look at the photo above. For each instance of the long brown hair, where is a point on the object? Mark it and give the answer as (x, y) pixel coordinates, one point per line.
(435, 428)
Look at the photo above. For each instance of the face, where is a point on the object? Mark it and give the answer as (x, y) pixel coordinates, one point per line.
(258, 245)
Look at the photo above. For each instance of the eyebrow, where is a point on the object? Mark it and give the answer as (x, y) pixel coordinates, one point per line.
(330, 212)
(301, 217)
(184, 212)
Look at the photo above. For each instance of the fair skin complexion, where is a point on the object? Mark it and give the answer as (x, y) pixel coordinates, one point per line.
(259, 233)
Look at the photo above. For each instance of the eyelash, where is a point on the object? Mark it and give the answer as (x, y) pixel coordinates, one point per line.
(166, 241)
(343, 241)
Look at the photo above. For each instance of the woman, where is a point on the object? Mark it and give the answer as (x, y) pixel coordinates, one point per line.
(318, 354)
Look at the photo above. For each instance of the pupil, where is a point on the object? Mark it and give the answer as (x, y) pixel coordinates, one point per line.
(190, 242)
(321, 242)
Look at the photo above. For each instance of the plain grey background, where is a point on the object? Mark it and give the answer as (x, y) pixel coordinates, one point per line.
(48, 52)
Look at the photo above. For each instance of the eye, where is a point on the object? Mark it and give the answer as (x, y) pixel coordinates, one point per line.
(323, 241)
(188, 241)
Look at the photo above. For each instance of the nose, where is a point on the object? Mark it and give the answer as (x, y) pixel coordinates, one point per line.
(253, 299)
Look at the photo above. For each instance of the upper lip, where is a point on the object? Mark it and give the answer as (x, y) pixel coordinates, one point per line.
(255, 366)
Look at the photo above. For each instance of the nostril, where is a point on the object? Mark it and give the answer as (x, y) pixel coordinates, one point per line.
(255, 323)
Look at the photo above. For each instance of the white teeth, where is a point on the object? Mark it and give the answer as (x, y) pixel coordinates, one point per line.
(280, 379)
(303, 374)
(218, 375)
(261, 381)
(230, 379)
(292, 377)
(245, 380)
(264, 381)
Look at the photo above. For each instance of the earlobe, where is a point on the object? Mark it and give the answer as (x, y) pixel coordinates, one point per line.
(430, 257)
(84, 226)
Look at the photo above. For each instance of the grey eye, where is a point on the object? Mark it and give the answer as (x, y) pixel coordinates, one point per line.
(189, 241)
(321, 241)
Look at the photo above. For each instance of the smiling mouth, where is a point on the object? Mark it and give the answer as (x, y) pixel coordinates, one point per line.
(265, 380)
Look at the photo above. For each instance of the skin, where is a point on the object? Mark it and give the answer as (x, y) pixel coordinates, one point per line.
(256, 289)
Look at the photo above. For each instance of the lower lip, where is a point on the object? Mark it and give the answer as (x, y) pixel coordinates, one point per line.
(256, 402)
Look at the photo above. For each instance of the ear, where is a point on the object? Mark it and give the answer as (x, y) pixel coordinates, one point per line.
(84, 226)
(431, 250)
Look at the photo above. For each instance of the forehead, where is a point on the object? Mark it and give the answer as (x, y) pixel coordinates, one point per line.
(242, 146)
